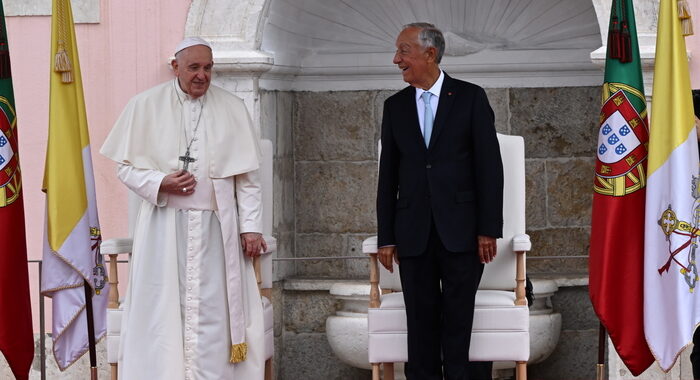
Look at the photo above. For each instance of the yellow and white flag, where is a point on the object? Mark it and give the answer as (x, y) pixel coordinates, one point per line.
(72, 235)
(673, 199)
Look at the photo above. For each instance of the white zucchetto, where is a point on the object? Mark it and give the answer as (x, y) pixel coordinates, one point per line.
(189, 42)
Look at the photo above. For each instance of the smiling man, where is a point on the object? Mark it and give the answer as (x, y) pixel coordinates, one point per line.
(188, 150)
(439, 204)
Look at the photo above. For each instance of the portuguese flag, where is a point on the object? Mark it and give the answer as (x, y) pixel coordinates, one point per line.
(16, 335)
(616, 259)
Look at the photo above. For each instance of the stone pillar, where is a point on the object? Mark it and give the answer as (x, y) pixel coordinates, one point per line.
(234, 28)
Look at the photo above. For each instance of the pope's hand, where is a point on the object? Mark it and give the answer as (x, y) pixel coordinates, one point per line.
(253, 244)
(386, 255)
(180, 182)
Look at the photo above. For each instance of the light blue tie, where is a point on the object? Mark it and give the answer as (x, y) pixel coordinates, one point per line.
(427, 118)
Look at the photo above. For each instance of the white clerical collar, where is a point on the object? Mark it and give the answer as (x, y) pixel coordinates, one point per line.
(435, 90)
(183, 95)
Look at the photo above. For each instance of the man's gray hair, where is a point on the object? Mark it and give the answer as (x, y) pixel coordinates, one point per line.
(429, 36)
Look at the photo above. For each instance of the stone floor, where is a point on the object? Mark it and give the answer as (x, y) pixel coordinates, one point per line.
(79, 370)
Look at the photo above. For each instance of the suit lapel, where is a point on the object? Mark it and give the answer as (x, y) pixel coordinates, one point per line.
(411, 116)
(447, 97)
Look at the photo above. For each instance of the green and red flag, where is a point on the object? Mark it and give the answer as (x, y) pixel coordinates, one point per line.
(616, 259)
(16, 335)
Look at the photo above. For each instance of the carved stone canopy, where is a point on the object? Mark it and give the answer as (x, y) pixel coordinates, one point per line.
(349, 44)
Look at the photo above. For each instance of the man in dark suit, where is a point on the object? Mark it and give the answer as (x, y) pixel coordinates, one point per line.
(439, 203)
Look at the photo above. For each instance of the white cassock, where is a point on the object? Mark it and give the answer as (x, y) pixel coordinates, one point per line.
(192, 301)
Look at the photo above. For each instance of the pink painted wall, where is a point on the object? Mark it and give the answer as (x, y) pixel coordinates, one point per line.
(693, 45)
(124, 54)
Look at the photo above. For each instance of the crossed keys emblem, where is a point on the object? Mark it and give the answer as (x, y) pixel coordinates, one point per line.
(99, 273)
(669, 225)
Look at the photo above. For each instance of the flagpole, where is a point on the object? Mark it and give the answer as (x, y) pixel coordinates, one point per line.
(91, 330)
(600, 367)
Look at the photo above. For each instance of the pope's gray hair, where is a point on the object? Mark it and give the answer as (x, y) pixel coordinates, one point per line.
(429, 36)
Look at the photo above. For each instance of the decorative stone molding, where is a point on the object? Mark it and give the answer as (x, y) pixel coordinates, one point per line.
(84, 11)
(234, 28)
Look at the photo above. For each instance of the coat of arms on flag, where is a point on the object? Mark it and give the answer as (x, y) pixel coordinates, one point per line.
(622, 144)
(686, 233)
(10, 183)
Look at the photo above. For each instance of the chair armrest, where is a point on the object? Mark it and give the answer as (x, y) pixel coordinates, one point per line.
(521, 243)
(116, 246)
(263, 266)
(369, 245)
(112, 248)
(271, 245)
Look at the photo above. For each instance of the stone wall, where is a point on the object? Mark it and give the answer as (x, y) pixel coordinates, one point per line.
(325, 183)
(335, 161)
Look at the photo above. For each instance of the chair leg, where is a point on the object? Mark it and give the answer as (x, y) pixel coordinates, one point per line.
(268, 369)
(114, 368)
(521, 370)
(375, 371)
(388, 371)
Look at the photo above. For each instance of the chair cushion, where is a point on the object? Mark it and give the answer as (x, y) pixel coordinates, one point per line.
(114, 326)
(269, 328)
(112, 349)
(500, 330)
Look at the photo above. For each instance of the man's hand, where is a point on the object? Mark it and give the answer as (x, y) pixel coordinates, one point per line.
(487, 249)
(253, 244)
(386, 255)
(180, 183)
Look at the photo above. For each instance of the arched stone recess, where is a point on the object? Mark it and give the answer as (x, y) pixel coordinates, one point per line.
(344, 44)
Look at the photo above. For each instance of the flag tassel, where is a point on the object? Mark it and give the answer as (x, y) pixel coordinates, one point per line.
(614, 40)
(5, 70)
(62, 65)
(686, 17)
(625, 44)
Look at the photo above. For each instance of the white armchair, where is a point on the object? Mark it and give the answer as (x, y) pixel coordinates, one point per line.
(112, 248)
(501, 315)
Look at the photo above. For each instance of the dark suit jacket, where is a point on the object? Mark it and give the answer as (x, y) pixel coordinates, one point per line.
(457, 181)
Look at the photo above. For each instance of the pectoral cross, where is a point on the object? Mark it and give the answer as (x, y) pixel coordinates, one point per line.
(186, 159)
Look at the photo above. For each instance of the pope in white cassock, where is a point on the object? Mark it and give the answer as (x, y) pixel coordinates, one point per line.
(189, 151)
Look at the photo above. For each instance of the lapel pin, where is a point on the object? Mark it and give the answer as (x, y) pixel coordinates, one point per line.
(449, 94)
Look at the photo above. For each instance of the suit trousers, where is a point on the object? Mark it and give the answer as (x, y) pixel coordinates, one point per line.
(695, 354)
(439, 289)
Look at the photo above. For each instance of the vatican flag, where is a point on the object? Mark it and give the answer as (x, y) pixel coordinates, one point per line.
(672, 203)
(71, 246)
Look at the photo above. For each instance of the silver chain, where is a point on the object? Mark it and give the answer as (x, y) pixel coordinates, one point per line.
(182, 120)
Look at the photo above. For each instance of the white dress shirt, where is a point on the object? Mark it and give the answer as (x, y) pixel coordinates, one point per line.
(434, 100)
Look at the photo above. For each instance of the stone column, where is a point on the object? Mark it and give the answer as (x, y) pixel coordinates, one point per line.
(234, 28)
